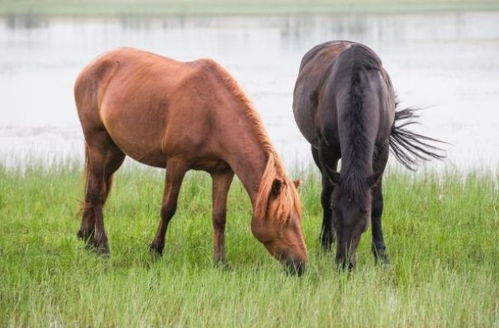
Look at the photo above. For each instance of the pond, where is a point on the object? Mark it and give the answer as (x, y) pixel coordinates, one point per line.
(445, 62)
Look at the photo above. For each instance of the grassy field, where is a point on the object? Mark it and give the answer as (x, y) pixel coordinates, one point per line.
(441, 232)
(233, 7)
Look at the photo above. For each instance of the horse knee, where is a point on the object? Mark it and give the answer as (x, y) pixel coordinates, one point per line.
(168, 211)
(326, 199)
(377, 206)
(377, 210)
(219, 219)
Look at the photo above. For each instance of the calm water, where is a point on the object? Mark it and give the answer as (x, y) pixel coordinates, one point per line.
(447, 62)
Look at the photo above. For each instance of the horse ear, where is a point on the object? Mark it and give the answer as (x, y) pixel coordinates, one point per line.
(374, 179)
(297, 183)
(332, 175)
(276, 187)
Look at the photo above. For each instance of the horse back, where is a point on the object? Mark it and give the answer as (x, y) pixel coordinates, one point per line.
(324, 86)
(314, 70)
(142, 99)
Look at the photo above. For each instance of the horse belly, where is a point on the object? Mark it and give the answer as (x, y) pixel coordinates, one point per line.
(306, 125)
(303, 110)
(138, 132)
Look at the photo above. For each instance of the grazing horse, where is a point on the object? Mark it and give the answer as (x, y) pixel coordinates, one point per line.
(344, 105)
(181, 116)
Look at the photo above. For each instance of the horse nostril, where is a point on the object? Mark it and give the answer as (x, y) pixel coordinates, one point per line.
(295, 267)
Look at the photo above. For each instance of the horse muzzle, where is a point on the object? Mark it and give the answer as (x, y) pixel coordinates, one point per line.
(294, 267)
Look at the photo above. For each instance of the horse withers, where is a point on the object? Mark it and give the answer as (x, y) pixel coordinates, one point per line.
(344, 105)
(181, 116)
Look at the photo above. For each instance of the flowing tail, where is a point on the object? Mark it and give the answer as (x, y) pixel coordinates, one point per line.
(410, 148)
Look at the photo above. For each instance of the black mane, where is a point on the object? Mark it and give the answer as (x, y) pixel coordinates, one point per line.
(356, 60)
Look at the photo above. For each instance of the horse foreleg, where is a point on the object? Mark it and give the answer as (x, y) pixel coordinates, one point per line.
(221, 185)
(328, 233)
(175, 173)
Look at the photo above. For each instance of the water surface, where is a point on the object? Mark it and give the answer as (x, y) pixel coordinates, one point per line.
(447, 62)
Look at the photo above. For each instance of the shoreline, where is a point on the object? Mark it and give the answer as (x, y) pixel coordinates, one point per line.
(296, 168)
(234, 8)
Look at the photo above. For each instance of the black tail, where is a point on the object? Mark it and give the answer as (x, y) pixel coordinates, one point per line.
(411, 148)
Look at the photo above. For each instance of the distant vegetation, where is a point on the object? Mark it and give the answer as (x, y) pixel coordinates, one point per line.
(441, 231)
(232, 7)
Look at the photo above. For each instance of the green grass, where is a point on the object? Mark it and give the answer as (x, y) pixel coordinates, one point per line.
(441, 231)
(234, 7)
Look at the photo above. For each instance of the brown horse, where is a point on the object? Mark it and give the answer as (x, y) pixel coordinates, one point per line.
(344, 105)
(181, 116)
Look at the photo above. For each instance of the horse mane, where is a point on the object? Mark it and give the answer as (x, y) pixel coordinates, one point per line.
(280, 206)
(287, 199)
(357, 59)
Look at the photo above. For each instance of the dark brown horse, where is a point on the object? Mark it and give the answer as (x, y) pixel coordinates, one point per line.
(344, 105)
(182, 116)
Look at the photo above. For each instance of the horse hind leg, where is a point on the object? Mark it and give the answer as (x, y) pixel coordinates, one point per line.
(378, 247)
(103, 158)
(378, 244)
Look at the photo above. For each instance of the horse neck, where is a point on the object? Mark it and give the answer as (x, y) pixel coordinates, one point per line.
(357, 160)
(246, 153)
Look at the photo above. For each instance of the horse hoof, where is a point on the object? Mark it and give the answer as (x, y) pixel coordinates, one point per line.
(100, 248)
(223, 265)
(156, 250)
(102, 251)
(85, 235)
(382, 259)
(88, 237)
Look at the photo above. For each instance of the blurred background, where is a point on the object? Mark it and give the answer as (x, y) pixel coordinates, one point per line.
(442, 55)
